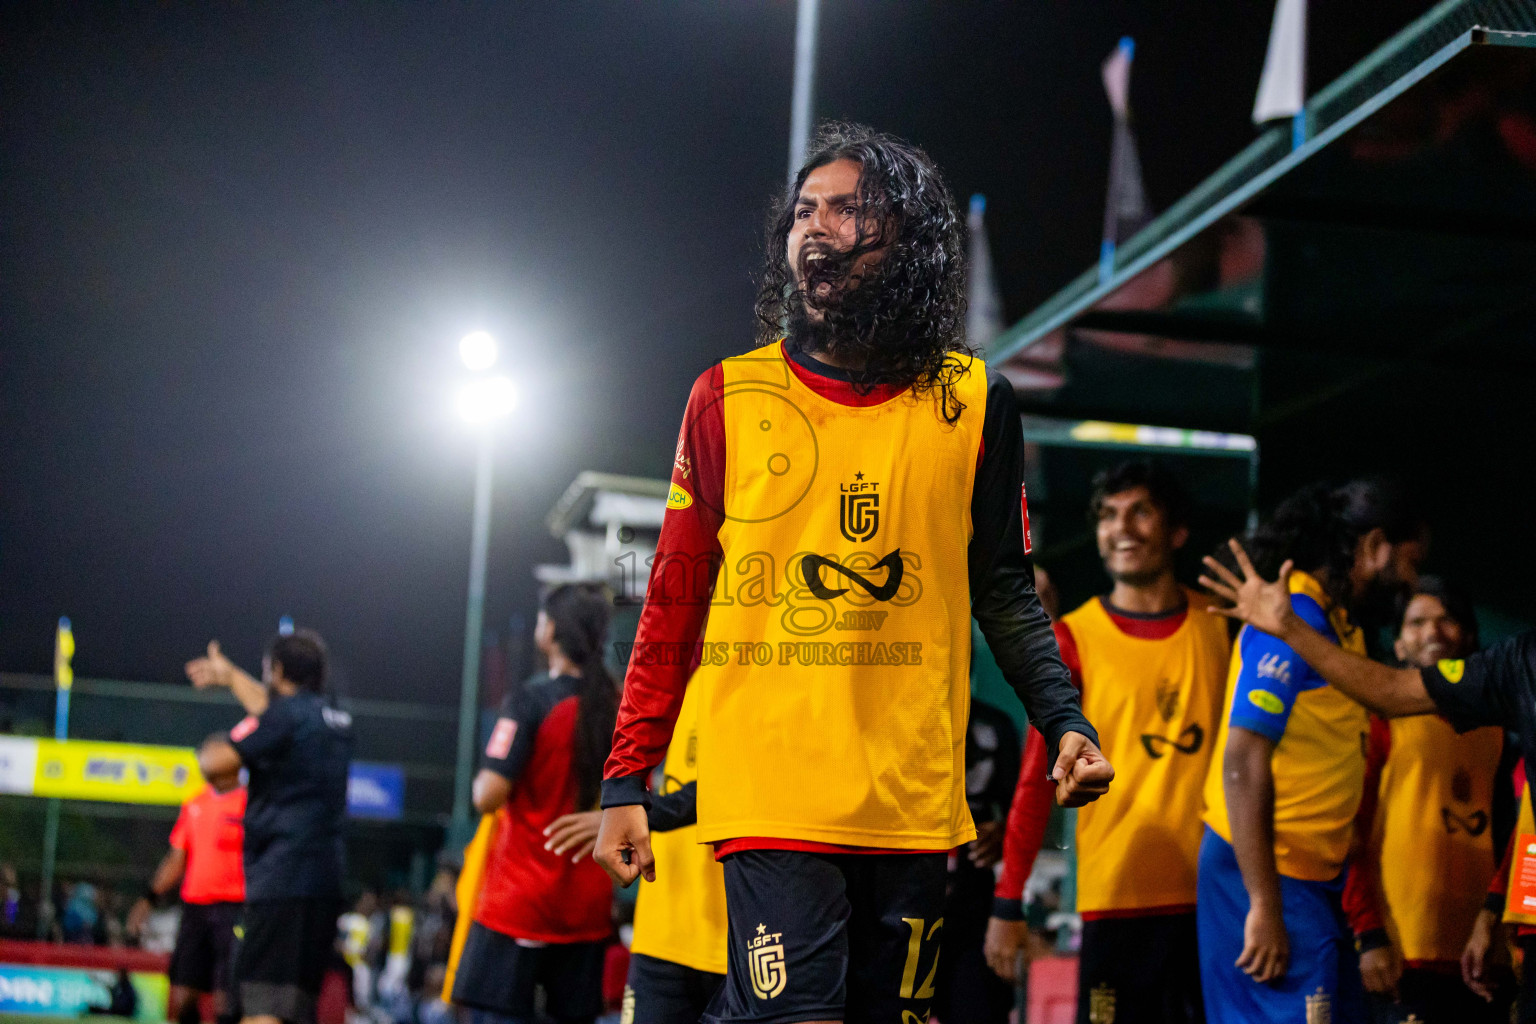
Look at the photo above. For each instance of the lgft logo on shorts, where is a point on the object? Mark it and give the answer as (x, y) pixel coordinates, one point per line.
(765, 963)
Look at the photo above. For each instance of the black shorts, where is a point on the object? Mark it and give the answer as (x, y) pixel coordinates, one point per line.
(1442, 996)
(498, 974)
(662, 992)
(205, 944)
(814, 936)
(284, 947)
(1140, 969)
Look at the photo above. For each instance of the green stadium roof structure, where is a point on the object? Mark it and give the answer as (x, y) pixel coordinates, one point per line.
(1356, 302)
(1370, 165)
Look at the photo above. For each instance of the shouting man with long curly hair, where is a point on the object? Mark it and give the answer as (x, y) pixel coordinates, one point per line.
(845, 498)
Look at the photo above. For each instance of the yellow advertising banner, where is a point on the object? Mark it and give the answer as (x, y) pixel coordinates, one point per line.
(126, 773)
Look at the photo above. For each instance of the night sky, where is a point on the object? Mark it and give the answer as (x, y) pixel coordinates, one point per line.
(239, 243)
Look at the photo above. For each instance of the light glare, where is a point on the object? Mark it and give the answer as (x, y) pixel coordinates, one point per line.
(489, 399)
(478, 350)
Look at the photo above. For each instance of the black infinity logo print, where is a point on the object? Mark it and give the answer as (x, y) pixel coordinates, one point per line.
(811, 566)
(1474, 824)
(1193, 736)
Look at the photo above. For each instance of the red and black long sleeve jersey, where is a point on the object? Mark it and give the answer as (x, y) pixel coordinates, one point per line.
(688, 555)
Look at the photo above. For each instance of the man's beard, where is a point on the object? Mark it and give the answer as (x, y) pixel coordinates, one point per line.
(1139, 578)
(1376, 607)
(839, 330)
(804, 333)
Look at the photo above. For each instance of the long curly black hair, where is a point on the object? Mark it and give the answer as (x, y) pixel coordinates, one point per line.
(1319, 528)
(903, 325)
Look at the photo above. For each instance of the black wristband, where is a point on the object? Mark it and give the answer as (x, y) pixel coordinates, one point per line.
(1375, 938)
(1007, 910)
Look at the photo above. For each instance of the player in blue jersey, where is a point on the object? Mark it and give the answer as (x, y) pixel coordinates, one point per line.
(1281, 799)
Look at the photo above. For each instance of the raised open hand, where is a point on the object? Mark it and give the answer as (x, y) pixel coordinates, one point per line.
(1252, 599)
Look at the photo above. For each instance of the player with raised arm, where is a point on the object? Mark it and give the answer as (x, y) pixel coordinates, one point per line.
(844, 500)
(296, 749)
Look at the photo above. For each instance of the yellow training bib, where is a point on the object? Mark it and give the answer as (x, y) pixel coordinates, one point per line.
(680, 917)
(1157, 704)
(835, 678)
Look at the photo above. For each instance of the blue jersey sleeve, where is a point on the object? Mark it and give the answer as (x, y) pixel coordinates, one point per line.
(1272, 675)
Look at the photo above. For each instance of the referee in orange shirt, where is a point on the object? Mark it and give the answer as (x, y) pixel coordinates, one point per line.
(205, 857)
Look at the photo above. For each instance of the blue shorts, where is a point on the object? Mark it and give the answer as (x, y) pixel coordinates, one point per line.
(1322, 981)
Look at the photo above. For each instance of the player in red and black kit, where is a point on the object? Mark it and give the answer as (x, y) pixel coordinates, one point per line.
(542, 920)
(845, 499)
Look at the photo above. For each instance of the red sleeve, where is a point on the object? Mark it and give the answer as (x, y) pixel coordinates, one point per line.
(676, 597)
(1028, 816)
(1068, 644)
(1362, 886)
(1030, 812)
(179, 830)
(1498, 885)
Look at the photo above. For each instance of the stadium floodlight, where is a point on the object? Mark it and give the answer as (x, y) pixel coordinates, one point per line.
(481, 402)
(478, 350)
(489, 398)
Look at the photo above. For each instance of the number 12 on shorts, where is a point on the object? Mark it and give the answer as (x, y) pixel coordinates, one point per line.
(915, 926)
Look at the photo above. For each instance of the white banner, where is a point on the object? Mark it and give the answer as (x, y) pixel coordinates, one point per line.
(18, 764)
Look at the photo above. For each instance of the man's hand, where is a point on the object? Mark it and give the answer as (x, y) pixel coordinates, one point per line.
(1380, 970)
(574, 832)
(1475, 958)
(1082, 774)
(1263, 605)
(213, 669)
(142, 908)
(625, 830)
(987, 847)
(1002, 945)
(1266, 947)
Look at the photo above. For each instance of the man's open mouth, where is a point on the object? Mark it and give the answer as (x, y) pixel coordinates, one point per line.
(821, 272)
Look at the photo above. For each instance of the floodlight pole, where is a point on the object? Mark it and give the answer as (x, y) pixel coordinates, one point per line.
(805, 80)
(462, 827)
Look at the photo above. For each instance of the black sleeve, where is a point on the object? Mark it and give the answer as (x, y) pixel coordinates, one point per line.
(674, 810)
(1492, 687)
(1003, 597)
(517, 723)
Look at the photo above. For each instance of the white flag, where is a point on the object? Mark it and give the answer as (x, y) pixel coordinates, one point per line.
(984, 315)
(1126, 210)
(1283, 86)
(1117, 77)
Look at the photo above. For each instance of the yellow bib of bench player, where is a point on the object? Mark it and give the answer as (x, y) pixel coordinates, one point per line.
(835, 678)
(680, 917)
(1157, 705)
(1434, 828)
(1318, 765)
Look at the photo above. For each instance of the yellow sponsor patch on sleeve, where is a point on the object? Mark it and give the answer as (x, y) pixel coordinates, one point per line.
(1452, 669)
(1266, 701)
(678, 498)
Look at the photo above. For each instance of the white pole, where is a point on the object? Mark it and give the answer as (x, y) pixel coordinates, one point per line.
(805, 80)
(474, 620)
